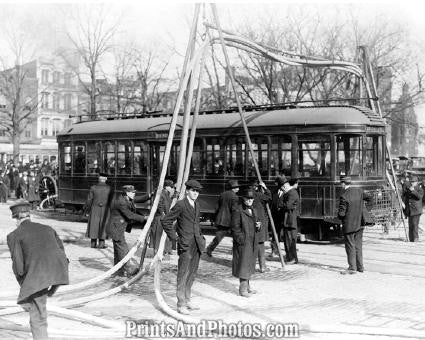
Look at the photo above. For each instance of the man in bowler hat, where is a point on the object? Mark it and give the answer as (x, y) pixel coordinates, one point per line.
(226, 202)
(123, 213)
(351, 211)
(191, 242)
(39, 264)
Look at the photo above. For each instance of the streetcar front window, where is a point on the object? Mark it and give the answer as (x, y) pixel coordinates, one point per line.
(140, 159)
(124, 158)
(65, 158)
(314, 156)
(214, 160)
(235, 156)
(260, 146)
(374, 164)
(280, 156)
(109, 161)
(93, 158)
(79, 158)
(349, 155)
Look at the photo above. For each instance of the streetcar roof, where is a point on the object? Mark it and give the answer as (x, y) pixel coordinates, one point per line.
(304, 116)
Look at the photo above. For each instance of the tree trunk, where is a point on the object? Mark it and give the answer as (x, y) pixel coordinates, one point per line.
(93, 94)
(16, 141)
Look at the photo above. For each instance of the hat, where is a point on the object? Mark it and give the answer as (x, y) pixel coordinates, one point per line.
(168, 183)
(248, 193)
(102, 174)
(292, 181)
(346, 179)
(20, 206)
(281, 180)
(254, 182)
(129, 188)
(194, 184)
(233, 184)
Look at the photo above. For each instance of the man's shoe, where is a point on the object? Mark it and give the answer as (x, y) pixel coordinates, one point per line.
(183, 310)
(244, 294)
(93, 244)
(360, 270)
(132, 272)
(264, 270)
(192, 306)
(290, 262)
(348, 271)
(102, 245)
(209, 252)
(252, 291)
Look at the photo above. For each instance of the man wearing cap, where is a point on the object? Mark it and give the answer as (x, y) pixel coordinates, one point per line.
(246, 230)
(262, 196)
(412, 196)
(39, 264)
(227, 200)
(350, 211)
(164, 206)
(97, 209)
(290, 223)
(123, 212)
(190, 244)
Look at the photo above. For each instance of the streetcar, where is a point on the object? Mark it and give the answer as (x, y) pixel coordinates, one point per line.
(316, 144)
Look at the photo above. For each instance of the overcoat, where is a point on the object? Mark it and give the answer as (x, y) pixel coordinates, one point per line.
(38, 257)
(23, 187)
(187, 226)
(277, 208)
(226, 202)
(245, 241)
(33, 187)
(413, 201)
(351, 209)
(98, 207)
(260, 200)
(291, 206)
(164, 205)
(123, 212)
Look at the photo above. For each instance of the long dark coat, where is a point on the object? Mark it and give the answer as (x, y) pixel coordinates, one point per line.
(123, 212)
(245, 242)
(260, 201)
(163, 208)
(98, 206)
(23, 187)
(33, 187)
(187, 226)
(413, 201)
(38, 257)
(350, 209)
(226, 202)
(291, 206)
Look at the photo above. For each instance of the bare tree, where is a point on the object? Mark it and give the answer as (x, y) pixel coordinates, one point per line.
(91, 34)
(18, 89)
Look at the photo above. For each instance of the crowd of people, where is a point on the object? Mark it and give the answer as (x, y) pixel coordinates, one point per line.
(22, 181)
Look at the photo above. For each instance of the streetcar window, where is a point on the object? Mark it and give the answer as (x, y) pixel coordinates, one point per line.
(349, 155)
(93, 158)
(280, 156)
(215, 165)
(124, 158)
(374, 156)
(235, 156)
(196, 161)
(65, 159)
(79, 158)
(314, 156)
(173, 164)
(140, 158)
(260, 146)
(109, 162)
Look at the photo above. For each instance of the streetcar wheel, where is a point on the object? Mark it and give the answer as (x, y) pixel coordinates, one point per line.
(47, 187)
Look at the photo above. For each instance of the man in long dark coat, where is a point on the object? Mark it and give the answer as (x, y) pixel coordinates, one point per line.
(246, 229)
(39, 264)
(191, 243)
(227, 200)
(97, 208)
(290, 224)
(262, 196)
(351, 211)
(123, 212)
(164, 206)
(412, 197)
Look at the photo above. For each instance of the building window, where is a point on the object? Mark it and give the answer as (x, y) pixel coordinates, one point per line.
(56, 77)
(45, 100)
(56, 101)
(67, 78)
(57, 126)
(27, 133)
(67, 101)
(45, 76)
(44, 126)
(2, 133)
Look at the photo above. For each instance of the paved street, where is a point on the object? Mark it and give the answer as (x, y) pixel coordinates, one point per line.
(388, 298)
